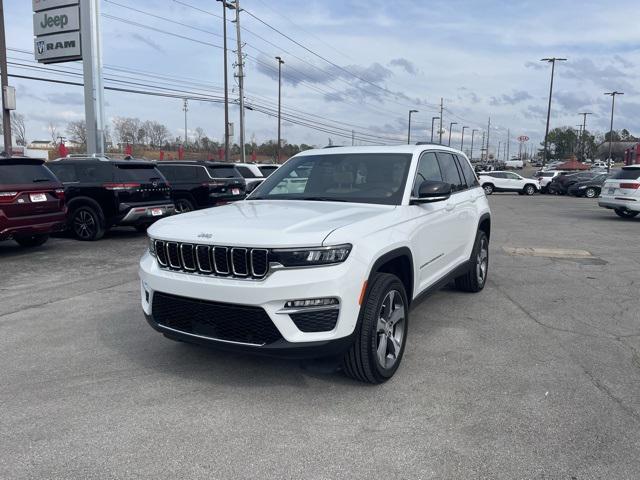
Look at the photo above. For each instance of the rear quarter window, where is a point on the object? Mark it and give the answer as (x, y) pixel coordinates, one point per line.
(627, 174)
(137, 173)
(223, 172)
(25, 174)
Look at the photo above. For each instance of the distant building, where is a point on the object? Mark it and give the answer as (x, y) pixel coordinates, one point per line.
(41, 145)
(617, 150)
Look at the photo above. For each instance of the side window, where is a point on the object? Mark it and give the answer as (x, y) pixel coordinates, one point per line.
(450, 172)
(201, 174)
(93, 172)
(66, 173)
(428, 169)
(467, 171)
(512, 176)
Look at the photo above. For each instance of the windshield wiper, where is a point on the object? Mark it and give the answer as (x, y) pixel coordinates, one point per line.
(39, 180)
(321, 199)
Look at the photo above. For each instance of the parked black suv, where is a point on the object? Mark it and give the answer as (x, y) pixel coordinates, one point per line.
(102, 193)
(202, 184)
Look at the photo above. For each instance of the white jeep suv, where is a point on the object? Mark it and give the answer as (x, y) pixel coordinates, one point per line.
(621, 192)
(329, 267)
(501, 181)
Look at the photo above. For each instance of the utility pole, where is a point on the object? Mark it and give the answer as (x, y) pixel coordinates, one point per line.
(488, 134)
(409, 129)
(185, 108)
(613, 103)
(441, 116)
(552, 61)
(92, 71)
(280, 62)
(462, 141)
(6, 113)
(433, 119)
(508, 144)
(225, 5)
(498, 153)
(451, 128)
(584, 129)
(353, 137)
(473, 133)
(240, 76)
(482, 149)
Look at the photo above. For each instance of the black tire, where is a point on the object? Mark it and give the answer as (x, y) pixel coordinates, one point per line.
(529, 189)
(625, 213)
(30, 241)
(142, 228)
(475, 279)
(385, 294)
(591, 192)
(488, 188)
(184, 205)
(87, 224)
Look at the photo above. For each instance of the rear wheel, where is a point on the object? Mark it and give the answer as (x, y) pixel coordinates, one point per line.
(32, 240)
(625, 213)
(86, 224)
(381, 333)
(590, 193)
(488, 188)
(183, 205)
(474, 280)
(529, 189)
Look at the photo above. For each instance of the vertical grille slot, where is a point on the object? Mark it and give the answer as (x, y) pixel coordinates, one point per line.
(239, 262)
(173, 254)
(188, 260)
(259, 262)
(204, 259)
(221, 260)
(161, 253)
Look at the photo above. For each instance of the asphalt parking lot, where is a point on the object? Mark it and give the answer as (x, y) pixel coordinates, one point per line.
(536, 377)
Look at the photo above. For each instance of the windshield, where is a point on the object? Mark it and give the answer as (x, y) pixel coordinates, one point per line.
(361, 178)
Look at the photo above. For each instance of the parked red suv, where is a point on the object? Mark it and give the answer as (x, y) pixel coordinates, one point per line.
(31, 201)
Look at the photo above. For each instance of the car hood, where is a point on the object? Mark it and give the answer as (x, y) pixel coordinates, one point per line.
(265, 223)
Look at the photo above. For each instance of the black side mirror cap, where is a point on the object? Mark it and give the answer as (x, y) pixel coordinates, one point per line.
(432, 191)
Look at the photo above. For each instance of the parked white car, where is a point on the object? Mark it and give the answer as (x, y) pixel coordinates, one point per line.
(327, 269)
(501, 181)
(545, 177)
(514, 163)
(621, 192)
(251, 173)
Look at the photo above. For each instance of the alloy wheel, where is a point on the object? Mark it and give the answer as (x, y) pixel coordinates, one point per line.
(482, 261)
(182, 206)
(590, 193)
(84, 225)
(390, 329)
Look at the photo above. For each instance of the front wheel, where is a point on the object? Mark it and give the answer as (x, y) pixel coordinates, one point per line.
(625, 213)
(590, 193)
(32, 240)
(183, 205)
(86, 224)
(529, 189)
(488, 188)
(381, 334)
(474, 280)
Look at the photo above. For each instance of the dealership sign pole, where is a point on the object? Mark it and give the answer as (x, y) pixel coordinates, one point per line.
(66, 31)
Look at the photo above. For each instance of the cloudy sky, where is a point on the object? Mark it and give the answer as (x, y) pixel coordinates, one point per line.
(351, 65)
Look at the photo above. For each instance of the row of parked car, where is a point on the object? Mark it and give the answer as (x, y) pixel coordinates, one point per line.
(89, 195)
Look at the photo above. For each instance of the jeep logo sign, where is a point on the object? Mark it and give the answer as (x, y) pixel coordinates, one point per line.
(59, 20)
(51, 48)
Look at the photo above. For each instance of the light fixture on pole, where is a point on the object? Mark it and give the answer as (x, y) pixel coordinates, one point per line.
(613, 103)
(552, 61)
(433, 119)
(451, 128)
(409, 129)
(462, 141)
(278, 146)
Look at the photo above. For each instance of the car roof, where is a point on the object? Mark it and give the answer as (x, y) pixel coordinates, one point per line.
(379, 149)
(20, 161)
(630, 167)
(111, 161)
(207, 163)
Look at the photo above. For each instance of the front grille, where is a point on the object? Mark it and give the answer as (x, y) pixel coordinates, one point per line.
(316, 321)
(213, 260)
(221, 321)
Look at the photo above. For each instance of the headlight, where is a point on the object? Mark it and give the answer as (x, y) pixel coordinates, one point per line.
(304, 257)
(152, 246)
(582, 187)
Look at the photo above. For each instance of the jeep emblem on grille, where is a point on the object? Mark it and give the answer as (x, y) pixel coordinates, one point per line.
(204, 235)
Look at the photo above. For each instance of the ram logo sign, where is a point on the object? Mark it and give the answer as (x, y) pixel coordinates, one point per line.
(53, 48)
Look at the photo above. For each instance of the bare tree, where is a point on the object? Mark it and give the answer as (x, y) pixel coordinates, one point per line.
(199, 131)
(19, 128)
(53, 132)
(77, 131)
(158, 134)
(126, 129)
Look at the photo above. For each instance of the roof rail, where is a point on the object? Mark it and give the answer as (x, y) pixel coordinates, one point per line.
(97, 156)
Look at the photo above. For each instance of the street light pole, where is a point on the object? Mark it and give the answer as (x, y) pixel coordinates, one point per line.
(280, 63)
(462, 141)
(6, 113)
(409, 130)
(584, 129)
(473, 133)
(451, 128)
(433, 119)
(613, 103)
(552, 61)
(226, 82)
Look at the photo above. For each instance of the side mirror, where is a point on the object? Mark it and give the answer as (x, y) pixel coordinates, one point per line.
(432, 191)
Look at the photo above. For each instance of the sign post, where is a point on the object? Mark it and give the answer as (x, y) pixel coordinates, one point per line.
(66, 31)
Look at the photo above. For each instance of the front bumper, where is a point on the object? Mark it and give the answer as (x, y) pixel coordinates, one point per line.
(619, 202)
(343, 282)
(147, 214)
